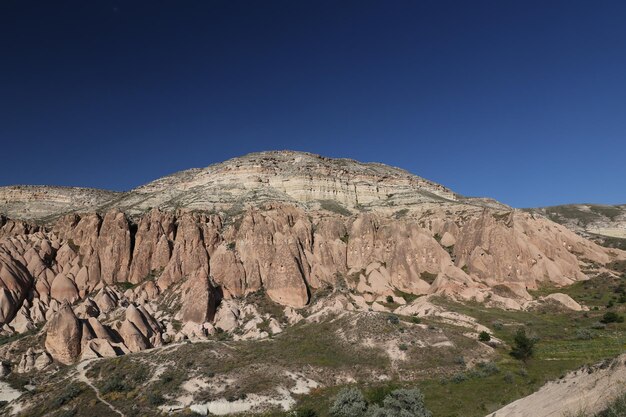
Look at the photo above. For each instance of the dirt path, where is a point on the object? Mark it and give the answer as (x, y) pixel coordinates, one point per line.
(82, 377)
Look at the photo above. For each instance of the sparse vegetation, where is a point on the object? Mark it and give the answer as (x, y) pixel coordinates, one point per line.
(400, 213)
(584, 334)
(617, 408)
(428, 277)
(67, 395)
(397, 403)
(335, 207)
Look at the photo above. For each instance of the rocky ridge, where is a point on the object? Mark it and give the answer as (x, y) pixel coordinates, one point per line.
(112, 282)
(46, 202)
(297, 178)
(603, 224)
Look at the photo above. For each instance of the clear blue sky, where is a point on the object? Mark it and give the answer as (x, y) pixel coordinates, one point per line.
(523, 101)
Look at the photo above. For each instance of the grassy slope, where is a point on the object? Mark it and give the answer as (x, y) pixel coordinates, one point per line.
(449, 389)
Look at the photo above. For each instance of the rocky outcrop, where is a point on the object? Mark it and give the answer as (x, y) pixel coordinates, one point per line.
(516, 248)
(15, 282)
(63, 336)
(114, 248)
(603, 224)
(272, 247)
(152, 250)
(198, 298)
(119, 281)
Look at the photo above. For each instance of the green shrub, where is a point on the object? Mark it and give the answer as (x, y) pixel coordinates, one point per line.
(393, 319)
(459, 360)
(584, 334)
(524, 346)
(68, 394)
(115, 384)
(349, 403)
(405, 403)
(509, 378)
(389, 299)
(484, 336)
(376, 411)
(459, 377)
(487, 368)
(305, 412)
(611, 317)
(498, 325)
(155, 399)
(416, 320)
(403, 347)
(377, 394)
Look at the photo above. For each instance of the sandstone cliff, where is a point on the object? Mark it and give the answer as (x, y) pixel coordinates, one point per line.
(288, 225)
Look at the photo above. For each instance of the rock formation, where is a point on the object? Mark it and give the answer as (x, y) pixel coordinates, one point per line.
(63, 336)
(283, 224)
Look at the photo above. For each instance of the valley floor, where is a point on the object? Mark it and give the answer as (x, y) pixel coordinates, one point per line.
(305, 366)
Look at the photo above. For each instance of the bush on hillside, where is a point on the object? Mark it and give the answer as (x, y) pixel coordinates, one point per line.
(349, 403)
(524, 348)
(406, 403)
(397, 403)
(612, 317)
(484, 336)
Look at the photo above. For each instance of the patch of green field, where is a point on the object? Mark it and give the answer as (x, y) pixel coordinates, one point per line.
(595, 292)
(557, 352)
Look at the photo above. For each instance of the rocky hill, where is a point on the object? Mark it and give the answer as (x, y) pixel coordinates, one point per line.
(604, 224)
(260, 246)
(45, 202)
(298, 178)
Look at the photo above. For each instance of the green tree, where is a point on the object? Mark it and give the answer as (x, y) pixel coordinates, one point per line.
(524, 346)
(484, 336)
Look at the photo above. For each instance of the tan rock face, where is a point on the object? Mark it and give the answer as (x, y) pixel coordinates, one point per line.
(272, 248)
(228, 271)
(134, 340)
(288, 252)
(279, 238)
(155, 231)
(198, 298)
(63, 336)
(114, 248)
(517, 248)
(195, 237)
(63, 289)
(10, 227)
(15, 282)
